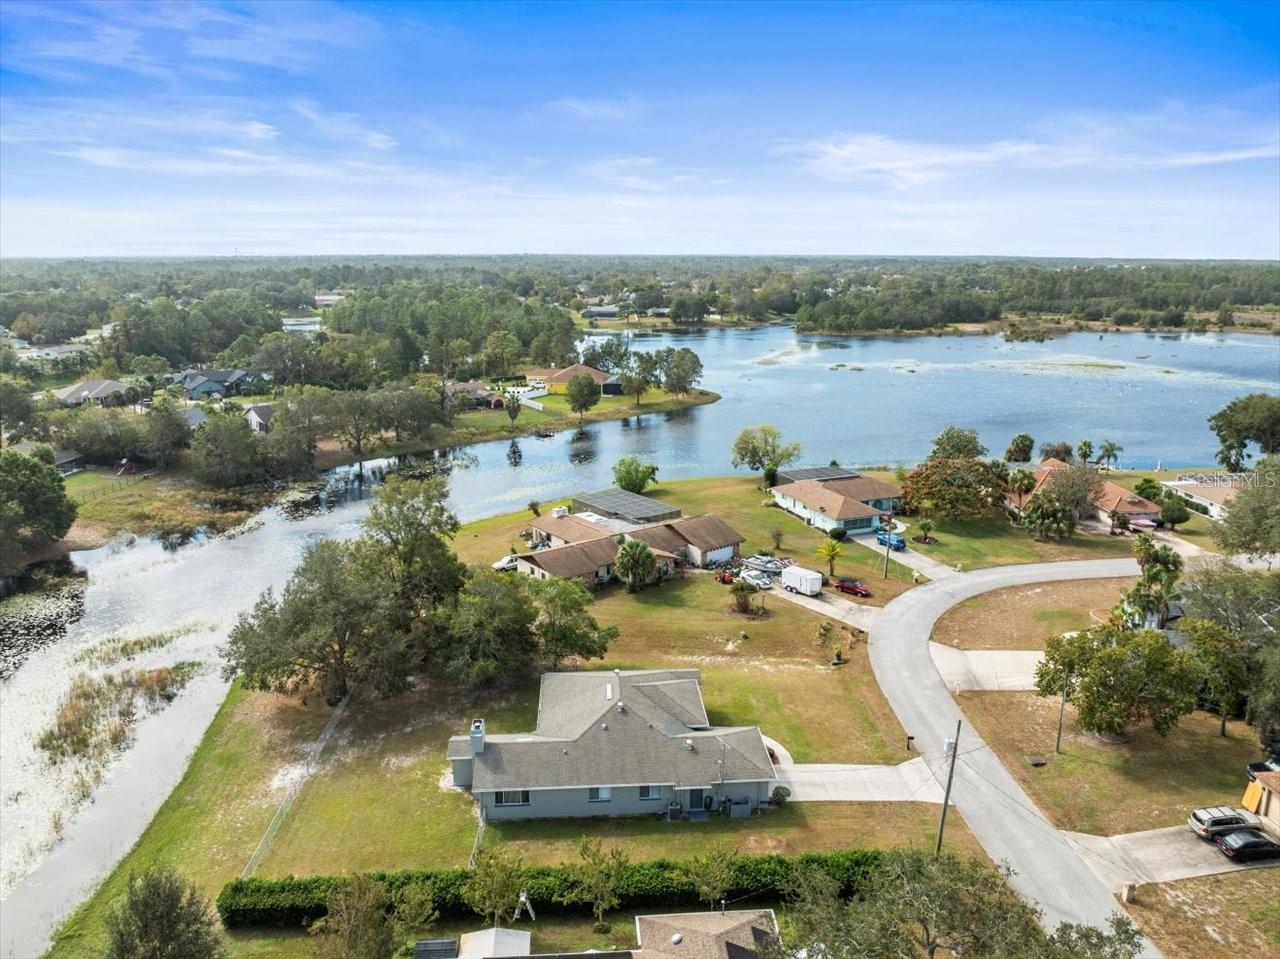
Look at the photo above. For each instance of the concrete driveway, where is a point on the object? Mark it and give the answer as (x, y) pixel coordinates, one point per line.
(911, 781)
(1155, 855)
(832, 606)
(908, 557)
(986, 668)
(1048, 871)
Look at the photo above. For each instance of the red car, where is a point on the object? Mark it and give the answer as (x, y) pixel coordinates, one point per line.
(853, 587)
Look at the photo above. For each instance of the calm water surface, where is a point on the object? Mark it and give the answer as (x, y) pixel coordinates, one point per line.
(865, 401)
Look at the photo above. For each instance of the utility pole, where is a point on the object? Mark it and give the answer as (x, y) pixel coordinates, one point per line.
(1062, 714)
(955, 751)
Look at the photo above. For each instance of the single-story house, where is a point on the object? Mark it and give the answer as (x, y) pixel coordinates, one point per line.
(1110, 497)
(1262, 797)
(472, 394)
(695, 540)
(322, 300)
(556, 379)
(101, 392)
(591, 561)
(732, 934)
(194, 417)
(560, 527)
(64, 460)
(600, 312)
(259, 416)
(1215, 496)
(215, 384)
(301, 324)
(820, 473)
(854, 504)
(615, 743)
(619, 504)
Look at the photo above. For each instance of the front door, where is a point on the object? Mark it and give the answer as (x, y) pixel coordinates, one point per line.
(695, 798)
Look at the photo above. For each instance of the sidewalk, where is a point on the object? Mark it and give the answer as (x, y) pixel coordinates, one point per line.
(1006, 669)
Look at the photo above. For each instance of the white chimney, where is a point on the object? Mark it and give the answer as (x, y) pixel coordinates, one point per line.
(477, 737)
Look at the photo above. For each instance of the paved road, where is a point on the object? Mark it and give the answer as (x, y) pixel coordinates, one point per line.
(1048, 870)
(1155, 855)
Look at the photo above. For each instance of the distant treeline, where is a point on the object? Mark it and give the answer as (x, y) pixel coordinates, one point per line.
(441, 299)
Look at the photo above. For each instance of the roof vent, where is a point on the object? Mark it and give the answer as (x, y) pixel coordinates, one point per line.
(677, 938)
(688, 743)
(604, 725)
(622, 707)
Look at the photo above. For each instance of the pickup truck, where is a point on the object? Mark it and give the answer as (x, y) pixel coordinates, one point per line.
(892, 540)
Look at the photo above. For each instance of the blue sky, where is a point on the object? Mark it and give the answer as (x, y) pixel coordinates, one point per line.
(1041, 129)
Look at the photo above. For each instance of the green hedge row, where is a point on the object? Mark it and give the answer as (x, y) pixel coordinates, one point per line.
(245, 903)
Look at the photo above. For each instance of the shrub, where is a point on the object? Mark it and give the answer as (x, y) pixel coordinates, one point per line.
(297, 903)
(780, 795)
(838, 533)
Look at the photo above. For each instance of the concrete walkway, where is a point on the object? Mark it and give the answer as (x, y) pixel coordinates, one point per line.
(1007, 669)
(908, 557)
(911, 781)
(1047, 869)
(1155, 855)
(833, 606)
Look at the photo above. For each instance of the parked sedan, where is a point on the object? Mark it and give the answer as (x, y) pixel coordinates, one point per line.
(1219, 820)
(892, 540)
(1266, 766)
(757, 579)
(1248, 845)
(854, 587)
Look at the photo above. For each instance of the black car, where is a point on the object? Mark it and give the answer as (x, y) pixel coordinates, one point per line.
(1247, 845)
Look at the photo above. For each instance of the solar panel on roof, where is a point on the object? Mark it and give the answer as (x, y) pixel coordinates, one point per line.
(818, 473)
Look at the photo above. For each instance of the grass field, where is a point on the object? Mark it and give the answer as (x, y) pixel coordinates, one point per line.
(1213, 917)
(376, 799)
(993, 541)
(1106, 787)
(1023, 617)
(793, 829)
(169, 502)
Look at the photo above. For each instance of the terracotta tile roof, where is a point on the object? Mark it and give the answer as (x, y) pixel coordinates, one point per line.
(841, 498)
(1109, 497)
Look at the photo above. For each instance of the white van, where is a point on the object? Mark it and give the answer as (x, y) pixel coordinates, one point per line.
(797, 579)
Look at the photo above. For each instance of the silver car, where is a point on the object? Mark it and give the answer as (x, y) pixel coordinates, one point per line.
(757, 579)
(1219, 820)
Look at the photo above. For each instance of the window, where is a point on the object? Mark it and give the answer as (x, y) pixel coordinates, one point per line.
(512, 797)
(599, 794)
(650, 792)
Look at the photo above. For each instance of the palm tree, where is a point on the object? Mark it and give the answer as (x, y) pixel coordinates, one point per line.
(635, 563)
(925, 525)
(1085, 451)
(1144, 548)
(1155, 593)
(829, 551)
(1021, 482)
(1109, 452)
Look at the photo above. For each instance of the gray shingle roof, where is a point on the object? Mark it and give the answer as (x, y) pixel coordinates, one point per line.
(659, 735)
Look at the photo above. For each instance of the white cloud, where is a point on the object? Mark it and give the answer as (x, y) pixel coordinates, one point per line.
(636, 173)
(345, 128)
(1164, 139)
(598, 109)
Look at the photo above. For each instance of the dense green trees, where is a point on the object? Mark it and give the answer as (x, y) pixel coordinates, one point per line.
(761, 448)
(630, 474)
(19, 417)
(1252, 419)
(163, 917)
(916, 904)
(34, 508)
(1118, 678)
(226, 452)
(1253, 524)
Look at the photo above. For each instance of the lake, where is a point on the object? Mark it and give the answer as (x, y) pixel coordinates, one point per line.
(860, 401)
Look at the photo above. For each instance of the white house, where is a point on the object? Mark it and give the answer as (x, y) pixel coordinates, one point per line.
(1215, 496)
(854, 504)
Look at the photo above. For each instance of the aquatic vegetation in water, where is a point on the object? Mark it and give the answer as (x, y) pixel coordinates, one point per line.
(114, 649)
(29, 621)
(98, 713)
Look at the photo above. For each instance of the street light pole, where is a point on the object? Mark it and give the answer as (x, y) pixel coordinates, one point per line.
(942, 825)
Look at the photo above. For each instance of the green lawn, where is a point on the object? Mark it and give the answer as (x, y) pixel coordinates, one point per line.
(793, 829)
(1105, 786)
(1024, 617)
(168, 502)
(613, 407)
(993, 541)
(1199, 530)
